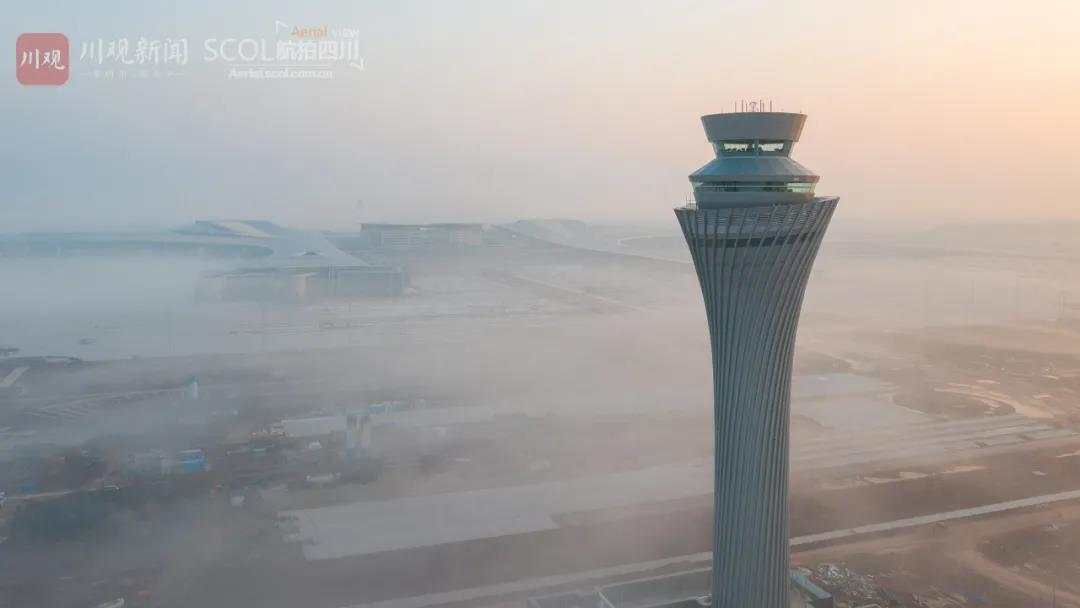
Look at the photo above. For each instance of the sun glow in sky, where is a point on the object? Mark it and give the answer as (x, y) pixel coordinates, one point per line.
(492, 110)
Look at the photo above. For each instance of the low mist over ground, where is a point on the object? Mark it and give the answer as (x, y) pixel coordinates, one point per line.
(552, 358)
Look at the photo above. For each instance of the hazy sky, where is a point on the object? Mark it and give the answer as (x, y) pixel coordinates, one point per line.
(504, 109)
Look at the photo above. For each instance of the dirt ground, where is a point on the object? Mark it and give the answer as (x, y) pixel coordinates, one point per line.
(978, 562)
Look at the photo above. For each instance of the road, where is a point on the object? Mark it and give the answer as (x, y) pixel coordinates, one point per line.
(585, 579)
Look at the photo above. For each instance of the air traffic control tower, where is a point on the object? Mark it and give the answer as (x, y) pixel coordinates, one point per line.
(753, 229)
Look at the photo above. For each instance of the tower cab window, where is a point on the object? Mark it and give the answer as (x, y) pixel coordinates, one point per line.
(770, 147)
(736, 147)
(751, 148)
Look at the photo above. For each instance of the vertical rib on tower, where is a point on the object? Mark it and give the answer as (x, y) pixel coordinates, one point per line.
(753, 259)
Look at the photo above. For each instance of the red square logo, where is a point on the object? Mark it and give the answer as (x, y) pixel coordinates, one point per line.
(42, 59)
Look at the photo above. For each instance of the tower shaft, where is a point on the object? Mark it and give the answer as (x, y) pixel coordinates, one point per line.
(753, 264)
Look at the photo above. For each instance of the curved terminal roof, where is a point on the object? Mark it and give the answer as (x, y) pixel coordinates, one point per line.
(289, 248)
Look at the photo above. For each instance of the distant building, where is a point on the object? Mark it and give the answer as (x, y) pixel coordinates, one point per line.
(407, 237)
(300, 267)
(303, 284)
(257, 260)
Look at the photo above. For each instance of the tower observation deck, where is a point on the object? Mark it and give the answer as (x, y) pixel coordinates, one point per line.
(753, 232)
